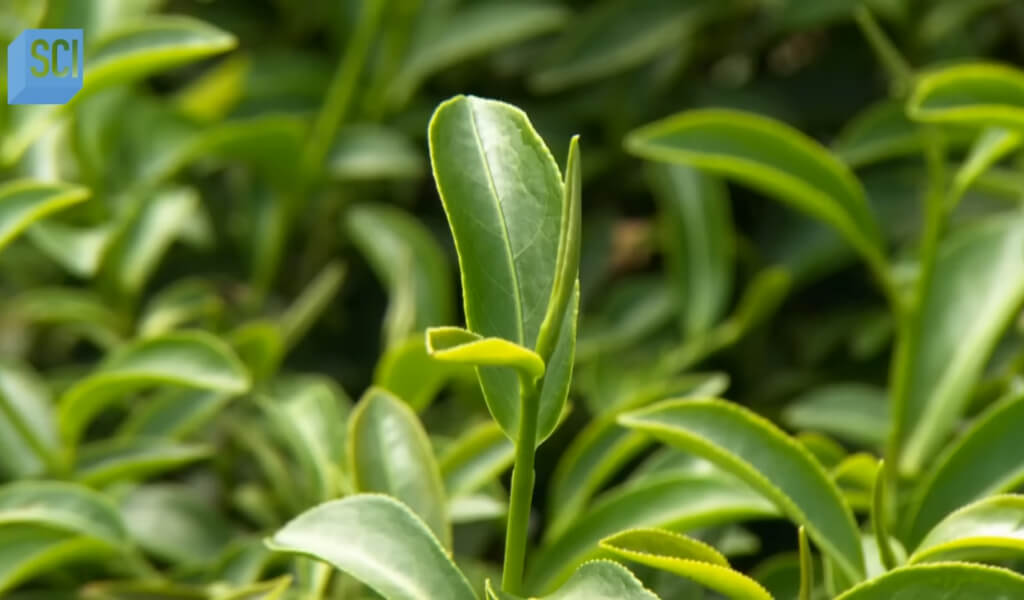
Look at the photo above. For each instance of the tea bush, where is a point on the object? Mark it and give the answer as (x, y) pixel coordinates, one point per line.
(811, 209)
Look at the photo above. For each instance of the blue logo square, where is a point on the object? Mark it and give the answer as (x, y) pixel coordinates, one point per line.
(45, 66)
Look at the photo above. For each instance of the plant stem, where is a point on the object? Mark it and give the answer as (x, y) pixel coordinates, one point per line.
(521, 495)
(901, 75)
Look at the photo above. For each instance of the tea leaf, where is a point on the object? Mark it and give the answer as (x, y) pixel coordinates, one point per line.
(984, 529)
(354, 533)
(986, 459)
(974, 94)
(854, 412)
(595, 580)
(28, 432)
(174, 524)
(479, 455)
(24, 202)
(389, 453)
(767, 459)
(75, 309)
(106, 462)
(977, 288)
(188, 359)
(408, 371)
(879, 133)
(457, 345)
(61, 506)
(314, 299)
(373, 152)
(150, 45)
(30, 550)
(80, 250)
(697, 238)
(174, 414)
(993, 144)
(972, 582)
(183, 302)
(771, 157)
(504, 199)
(670, 501)
(685, 557)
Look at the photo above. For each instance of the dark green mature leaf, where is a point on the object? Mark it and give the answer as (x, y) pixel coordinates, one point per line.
(374, 152)
(771, 157)
(389, 452)
(187, 359)
(61, 506)
(924, 582)
(173, 523)
(697, 238)
(989, 528)
(28, 432)
(686, 557)
(977, 288)
(470, 32)
(986, 459)
(390, 239)
(355, 533)
(974, 94)
(854, 412)
(25, 201)
(594, 580)
(504, 199)
(670, 500)
(773, 463)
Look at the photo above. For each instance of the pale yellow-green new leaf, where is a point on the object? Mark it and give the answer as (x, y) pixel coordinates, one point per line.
(685, 557)
(962, 581)
(983, 94)
(989, 528)
(457, 345)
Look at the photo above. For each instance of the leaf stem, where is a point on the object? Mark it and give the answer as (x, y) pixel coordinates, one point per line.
(879, 515)
(521, 494)
(900, 73)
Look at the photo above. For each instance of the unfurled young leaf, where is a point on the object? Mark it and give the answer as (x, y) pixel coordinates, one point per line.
(25, 202)
(456, 345)
(766, 458)
(388, 452)
(356, 533)
(983, 529)
(594, 580)
(971, 94)
(685, 557)
(190, 359)
(972, 582)
(771, 157)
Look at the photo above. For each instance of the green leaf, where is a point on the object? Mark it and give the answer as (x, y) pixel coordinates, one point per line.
(993, 144)
(374, 152)
(182, 302)
(969, 582)
(457, 345)
(409, 372)
(105, 462)
(504, 199)
(356, 533)
(986, 459)
(389, 452)
(976, 290)
(670, 500)
(80, 250)
(477, 456)
(766, 458)
(603, 447)
(881, 132)
(188, 359)
(310, 417)
(697, 239)
(685, 557)
(60, 506)
(24, 202)
(989, 528)
(174, 414)
(27, 551)
(72, 308)
(594, 580)
(29, 443)
(390, 238)
(268, 590)
(174, 524)
(983, 94)
(311, 303)
(473, 31)
(853, 412)
(150, 45)
(616, 36)
(143, 240)
(772, 157)
(260, 346)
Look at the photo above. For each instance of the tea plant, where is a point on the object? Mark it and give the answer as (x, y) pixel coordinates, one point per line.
(665, 388)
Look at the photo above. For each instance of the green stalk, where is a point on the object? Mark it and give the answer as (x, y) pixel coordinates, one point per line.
(521, 494)
(901, 75)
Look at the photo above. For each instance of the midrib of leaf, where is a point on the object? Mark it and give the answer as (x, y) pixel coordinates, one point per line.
(505, 235)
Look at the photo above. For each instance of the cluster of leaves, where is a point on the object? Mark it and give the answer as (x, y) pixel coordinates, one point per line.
(226, 228)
